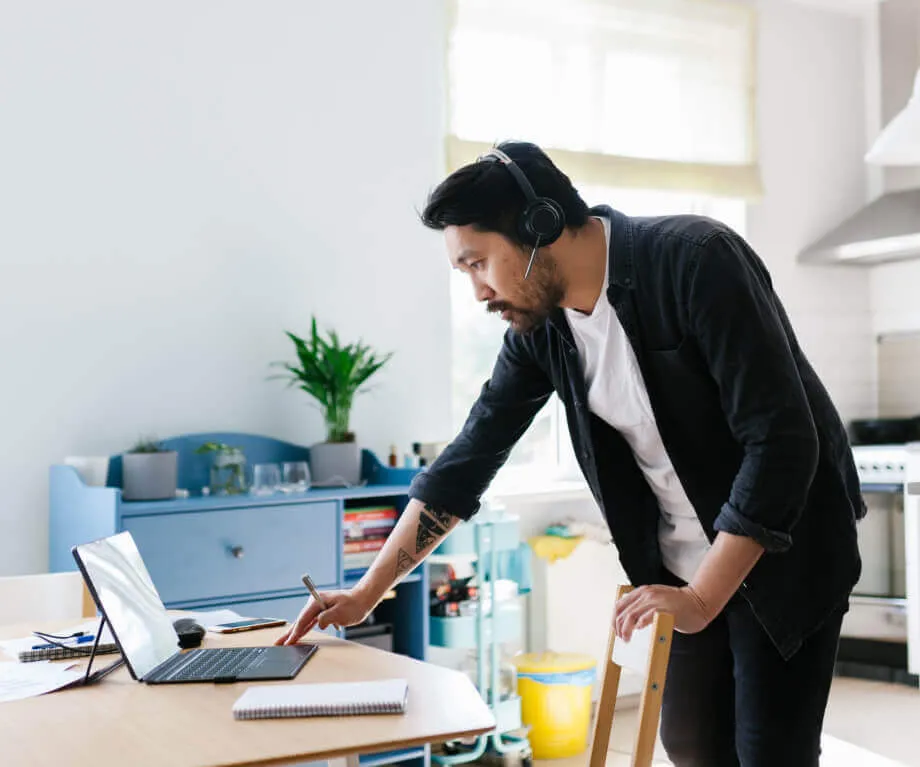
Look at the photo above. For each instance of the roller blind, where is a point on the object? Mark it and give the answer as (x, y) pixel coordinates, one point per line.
(654, 94)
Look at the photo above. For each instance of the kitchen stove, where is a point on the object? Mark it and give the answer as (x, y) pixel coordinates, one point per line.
(881, 464)
(877, 632)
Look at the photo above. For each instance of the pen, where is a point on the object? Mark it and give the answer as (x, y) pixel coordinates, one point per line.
(308, 582)
(76, 640)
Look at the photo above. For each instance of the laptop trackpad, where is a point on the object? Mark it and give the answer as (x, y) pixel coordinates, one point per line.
(279, 662)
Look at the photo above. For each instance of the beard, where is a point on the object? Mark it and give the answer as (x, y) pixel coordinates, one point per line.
(538, 296)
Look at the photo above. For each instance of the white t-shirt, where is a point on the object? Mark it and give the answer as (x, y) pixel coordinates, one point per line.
(617, 394)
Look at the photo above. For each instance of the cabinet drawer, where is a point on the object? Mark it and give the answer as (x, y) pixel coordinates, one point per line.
(226, 553)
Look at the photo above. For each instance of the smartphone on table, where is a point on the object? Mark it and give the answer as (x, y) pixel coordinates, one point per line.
(247, 624)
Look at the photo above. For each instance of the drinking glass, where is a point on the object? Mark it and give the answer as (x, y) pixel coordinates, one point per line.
(266, 477)
(296, 475)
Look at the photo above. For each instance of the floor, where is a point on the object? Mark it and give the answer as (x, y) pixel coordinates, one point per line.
(868, 724)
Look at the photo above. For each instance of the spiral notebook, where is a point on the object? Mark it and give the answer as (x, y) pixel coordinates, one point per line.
(383, 696)
(55, 653)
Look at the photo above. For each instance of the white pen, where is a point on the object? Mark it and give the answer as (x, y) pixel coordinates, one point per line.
(308, 582)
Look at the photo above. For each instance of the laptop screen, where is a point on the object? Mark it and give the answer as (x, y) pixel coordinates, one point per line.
(129, 601)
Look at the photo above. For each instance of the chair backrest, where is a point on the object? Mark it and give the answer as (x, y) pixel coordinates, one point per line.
(646, 653)
(44, 597)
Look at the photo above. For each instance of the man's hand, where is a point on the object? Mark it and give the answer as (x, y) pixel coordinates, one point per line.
(637, 609)
(420, 528)
(343, 608)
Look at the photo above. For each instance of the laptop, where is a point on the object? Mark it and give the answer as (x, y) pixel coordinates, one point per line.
(121, 586)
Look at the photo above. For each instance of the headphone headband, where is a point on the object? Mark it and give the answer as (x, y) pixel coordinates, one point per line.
(515, 171)
(542, 220)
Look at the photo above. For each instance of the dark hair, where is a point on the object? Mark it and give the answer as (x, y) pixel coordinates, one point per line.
(486, 195)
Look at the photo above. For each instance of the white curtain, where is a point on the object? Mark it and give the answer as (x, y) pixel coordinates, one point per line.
(654, 94)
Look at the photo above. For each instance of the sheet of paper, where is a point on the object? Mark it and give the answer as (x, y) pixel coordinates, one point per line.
(25, 680)
(634, 653)
(13, 647)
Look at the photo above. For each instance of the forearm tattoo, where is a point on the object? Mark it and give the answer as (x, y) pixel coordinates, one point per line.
(404, 563)
(432, 524)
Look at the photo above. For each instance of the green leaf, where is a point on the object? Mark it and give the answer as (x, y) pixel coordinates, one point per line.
(331, 373)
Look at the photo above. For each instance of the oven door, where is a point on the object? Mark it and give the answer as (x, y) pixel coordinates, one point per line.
(912, 555)
(878, 605)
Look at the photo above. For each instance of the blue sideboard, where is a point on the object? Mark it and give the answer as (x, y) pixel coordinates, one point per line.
(243, 552)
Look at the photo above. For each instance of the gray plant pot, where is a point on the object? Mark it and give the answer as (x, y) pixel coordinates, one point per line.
(335, 463)
(149, 476)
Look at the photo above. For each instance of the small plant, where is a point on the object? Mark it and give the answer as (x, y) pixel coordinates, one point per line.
(332, 373)
(214, 447)
(147, 445)
(227, 468)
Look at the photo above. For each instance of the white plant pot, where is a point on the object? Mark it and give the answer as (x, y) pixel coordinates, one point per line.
(335, 464)
(93, 469)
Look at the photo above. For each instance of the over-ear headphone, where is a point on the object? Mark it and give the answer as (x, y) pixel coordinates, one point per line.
(542, 220)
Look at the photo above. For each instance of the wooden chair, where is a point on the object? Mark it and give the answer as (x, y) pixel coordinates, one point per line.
(646, 653)
(45, 597)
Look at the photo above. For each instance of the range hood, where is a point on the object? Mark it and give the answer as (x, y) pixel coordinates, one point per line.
(887, 229)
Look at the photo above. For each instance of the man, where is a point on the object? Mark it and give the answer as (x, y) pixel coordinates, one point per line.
(707, 439)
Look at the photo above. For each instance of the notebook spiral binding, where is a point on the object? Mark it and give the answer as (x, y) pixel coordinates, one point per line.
(342, 709)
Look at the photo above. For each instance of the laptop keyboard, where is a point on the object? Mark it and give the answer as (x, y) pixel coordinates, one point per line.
(211, 664)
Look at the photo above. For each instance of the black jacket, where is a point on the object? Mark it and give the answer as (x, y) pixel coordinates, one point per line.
(751, 431)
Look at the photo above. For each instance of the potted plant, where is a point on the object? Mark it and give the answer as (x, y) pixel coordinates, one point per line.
(333, 373)
(227, 475)
(149, 472)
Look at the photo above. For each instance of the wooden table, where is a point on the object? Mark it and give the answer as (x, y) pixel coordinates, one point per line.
(124, 722)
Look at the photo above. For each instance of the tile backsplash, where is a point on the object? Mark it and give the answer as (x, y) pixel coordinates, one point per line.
(899, 375)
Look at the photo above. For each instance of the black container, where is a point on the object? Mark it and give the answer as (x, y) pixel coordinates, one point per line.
(885, 431)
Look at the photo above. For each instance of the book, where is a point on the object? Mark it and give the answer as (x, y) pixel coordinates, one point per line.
(373, 544)
(377, 521)
(56, 653)
(383, 696)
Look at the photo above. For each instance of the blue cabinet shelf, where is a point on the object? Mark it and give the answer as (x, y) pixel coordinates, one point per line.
(243, 552)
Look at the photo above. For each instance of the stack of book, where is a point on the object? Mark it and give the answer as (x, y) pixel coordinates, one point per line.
(366, 529)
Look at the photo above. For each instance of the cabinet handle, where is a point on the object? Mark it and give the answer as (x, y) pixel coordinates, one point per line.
(237, 551)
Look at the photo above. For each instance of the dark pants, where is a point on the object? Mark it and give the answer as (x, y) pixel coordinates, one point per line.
(730, 699)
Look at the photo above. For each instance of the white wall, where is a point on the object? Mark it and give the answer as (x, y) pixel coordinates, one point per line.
(812, 138)
(179, 183)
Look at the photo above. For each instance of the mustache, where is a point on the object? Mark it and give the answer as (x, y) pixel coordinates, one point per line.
(496, 307)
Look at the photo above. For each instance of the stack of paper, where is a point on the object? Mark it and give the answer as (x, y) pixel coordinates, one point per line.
(23, 680)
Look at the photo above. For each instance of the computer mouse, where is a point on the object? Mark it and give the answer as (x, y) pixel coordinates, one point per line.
(190, 633)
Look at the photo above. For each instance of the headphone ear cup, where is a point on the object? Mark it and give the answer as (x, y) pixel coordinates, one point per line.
(543, 219)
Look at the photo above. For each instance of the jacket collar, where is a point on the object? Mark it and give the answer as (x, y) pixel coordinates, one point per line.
(620, 254)
(619, 261)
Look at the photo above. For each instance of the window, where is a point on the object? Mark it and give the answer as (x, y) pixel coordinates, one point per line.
(648, 105)
(650, 94)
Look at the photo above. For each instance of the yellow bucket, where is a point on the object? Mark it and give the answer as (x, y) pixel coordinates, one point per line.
(555, 691)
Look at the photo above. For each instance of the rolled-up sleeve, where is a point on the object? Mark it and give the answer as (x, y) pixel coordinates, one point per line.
(742, 332)
(505, 408)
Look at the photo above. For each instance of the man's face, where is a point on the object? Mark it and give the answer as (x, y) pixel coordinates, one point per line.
(496, 267)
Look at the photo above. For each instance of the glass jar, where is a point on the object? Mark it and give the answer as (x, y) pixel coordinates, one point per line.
(228, 472)
(507, 674)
